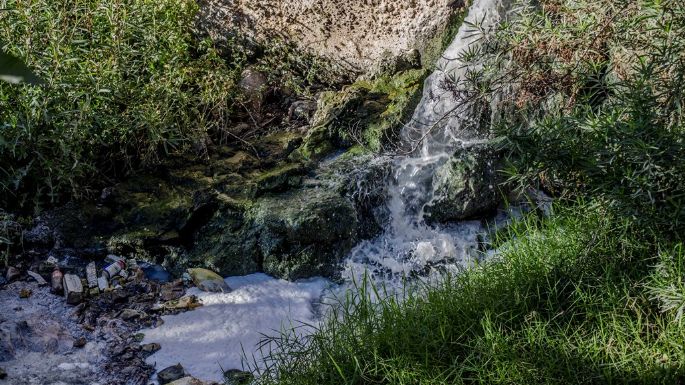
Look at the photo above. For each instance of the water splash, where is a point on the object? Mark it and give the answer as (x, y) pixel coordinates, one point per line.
(441, 123)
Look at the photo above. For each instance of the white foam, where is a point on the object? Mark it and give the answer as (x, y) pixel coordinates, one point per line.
(213, 336)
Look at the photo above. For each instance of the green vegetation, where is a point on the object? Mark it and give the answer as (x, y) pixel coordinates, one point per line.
(569, 300)
(125, 82)
(126, 85)
(594, 293)
(367, 114)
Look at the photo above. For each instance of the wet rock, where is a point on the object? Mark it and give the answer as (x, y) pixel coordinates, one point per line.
(304, 233)
(187, 381)
(228, 243)
(12, 273)
(466, 185)
(302, 110)
(172, 373)
(80, 342)
(238, 377)
(151, 348)
(208, 280)
(3, 374)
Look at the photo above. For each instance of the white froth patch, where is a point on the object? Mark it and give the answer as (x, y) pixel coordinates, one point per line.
(213, 336)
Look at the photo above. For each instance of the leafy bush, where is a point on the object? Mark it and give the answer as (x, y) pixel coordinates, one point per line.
(125, 82)
(590, 96)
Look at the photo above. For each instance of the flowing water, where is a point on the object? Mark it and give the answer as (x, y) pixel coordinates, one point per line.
(441, 123)
(214, 337)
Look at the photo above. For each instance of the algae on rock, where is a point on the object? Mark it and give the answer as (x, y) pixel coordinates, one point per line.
(466, 185)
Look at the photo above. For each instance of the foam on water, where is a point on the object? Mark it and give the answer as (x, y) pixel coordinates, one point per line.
(213, 336)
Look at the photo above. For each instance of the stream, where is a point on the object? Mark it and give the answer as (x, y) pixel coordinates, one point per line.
(228, 328)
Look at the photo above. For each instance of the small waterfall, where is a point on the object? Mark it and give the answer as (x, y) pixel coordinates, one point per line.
(441, 124)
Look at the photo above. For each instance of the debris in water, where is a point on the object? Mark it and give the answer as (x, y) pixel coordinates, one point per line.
(207, 280)
(25, 293)
(103, 284)
(56, 281)
(92, 275)
(115, 268)
(41, 281)
(73, 289)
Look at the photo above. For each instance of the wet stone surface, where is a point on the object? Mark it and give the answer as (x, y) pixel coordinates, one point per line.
(43, 340)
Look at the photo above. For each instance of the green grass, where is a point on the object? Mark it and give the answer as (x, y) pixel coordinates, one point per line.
(569, 299)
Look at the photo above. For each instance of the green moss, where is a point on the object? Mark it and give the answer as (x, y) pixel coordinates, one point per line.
(368, 113)
(436, 46)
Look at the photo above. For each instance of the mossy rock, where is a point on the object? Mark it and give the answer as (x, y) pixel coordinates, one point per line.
(465, 186)
(228, 242)
(367, 113)
(304, 233)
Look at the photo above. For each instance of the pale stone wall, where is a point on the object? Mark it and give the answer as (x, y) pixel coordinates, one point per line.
(355, 34)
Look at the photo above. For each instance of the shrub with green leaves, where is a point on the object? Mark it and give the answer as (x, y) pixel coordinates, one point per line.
(125, 81)
(591, 98)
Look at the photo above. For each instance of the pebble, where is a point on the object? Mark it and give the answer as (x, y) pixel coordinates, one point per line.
(238, 377)
(151, 348)
(171, 373)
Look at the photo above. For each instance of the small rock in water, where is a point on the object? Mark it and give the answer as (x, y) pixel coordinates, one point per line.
(151, 348)
(3, 374)
(41, 281)
(172, 373)
(238, 377)
(25, 293)
(187, 381)
(80, 342)
(208, 280)
(12, 273)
